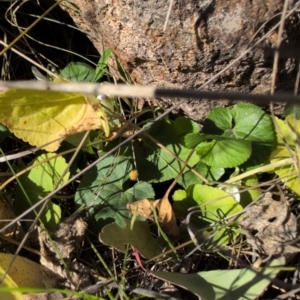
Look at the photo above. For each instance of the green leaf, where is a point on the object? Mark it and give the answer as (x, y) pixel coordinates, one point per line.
(78, 72)
(179, 195)
(181, 200)
(102, 65)
(139, 237)
(252, 123)
(215, 205)
(7, 282)
(184, 126)
(75, 140)
(105, 190)
(210, 173)
(224, 154)
(3, 128)
(288, 174)
(285, 132)
(214, 209)
(37, 183)
(239, 284)
(41, 117)
(218, 120)
(253, 193)
(158, 164)
(243, 130)
(191, 140)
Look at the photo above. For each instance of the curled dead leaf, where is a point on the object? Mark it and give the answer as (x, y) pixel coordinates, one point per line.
(165, 213)
(143, 208)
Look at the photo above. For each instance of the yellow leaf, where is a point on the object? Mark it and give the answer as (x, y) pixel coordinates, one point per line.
(8, 283)
(40, 117)
(24, 272)
(288, 174)
(283, 130)
(290, 131)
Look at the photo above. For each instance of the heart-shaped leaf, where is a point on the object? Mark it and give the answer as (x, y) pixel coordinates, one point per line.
(234, 136)
(105, 188)
(38, 182)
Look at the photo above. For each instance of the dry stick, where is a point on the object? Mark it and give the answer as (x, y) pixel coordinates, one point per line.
(30, 27)
(124, 90)
(14, 23)
(5, 74)
(168, 15)
(297, 80)
(56, 187)
(49, 45)
(278, 42)
(290, 294)
(149, 92)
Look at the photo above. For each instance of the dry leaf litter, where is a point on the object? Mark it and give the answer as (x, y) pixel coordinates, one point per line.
(270, 227)
(59, 249)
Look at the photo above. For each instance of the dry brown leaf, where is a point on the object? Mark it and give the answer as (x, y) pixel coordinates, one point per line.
(166, 216)
(143, 208)
(65, 243)
(270, 227)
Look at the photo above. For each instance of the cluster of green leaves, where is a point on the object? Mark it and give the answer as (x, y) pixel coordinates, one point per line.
(243, 136)
(227, 140)
(232, 141)
(231, 137)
